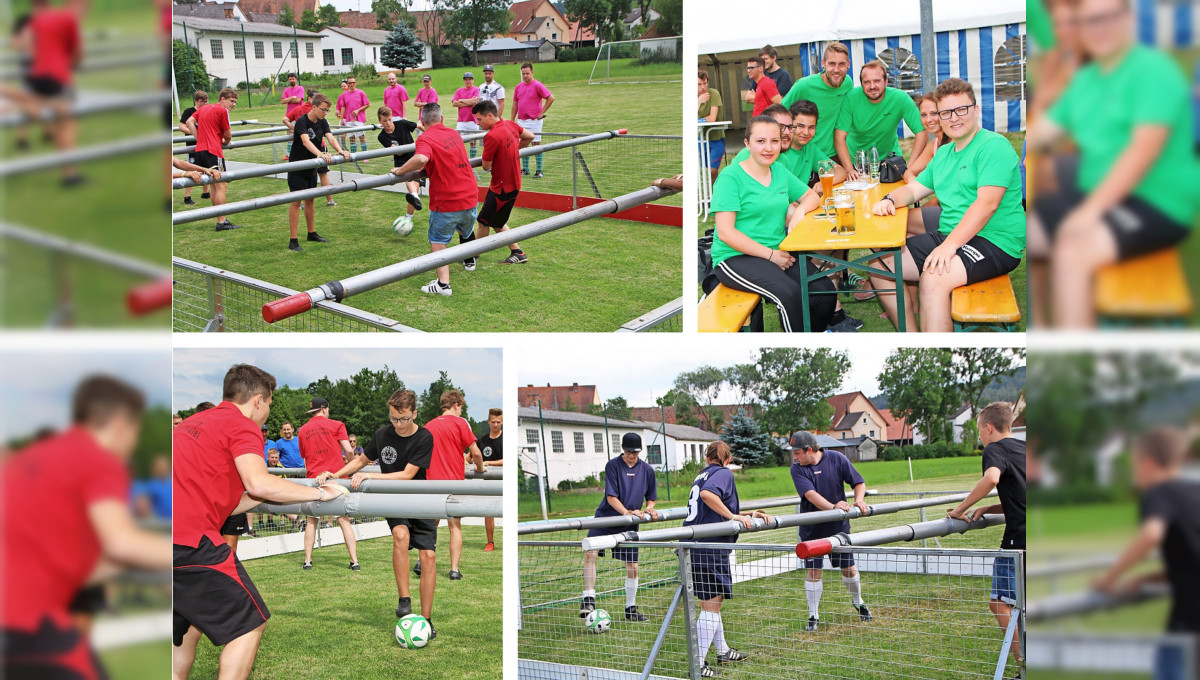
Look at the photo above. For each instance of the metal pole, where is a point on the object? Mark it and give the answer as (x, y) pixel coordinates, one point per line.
(928, 49)
(907, 532)
(83, 154)
(662, 633)
(543, 478)
(689, 612)
(296, 51)
(189, 139)
(126, 102)
(246, 64)
(339, 290)
(1061, 606)
(467, 487)
(607, 439)
(83, 251)
(184, 150)
(187, 57)
(490, 473)
(662, 417)
(430, 506)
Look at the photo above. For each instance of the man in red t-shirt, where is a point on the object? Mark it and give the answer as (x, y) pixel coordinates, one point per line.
(452, 436)
(765, 91)
(290, 121)
(323, 446)
(501, 157)
(219, 471)
(453, 192)
(57, 48)
(43, 565)
(211, 124)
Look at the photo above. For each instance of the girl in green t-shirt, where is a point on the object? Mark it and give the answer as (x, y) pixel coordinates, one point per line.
(752, 205)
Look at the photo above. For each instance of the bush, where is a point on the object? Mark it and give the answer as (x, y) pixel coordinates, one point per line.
(449, 56)
(658, 56)
(577, 54)
(892, 453)
(184, 56)
(590, 482)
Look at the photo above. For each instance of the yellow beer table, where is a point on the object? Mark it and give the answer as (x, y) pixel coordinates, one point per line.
(885, 234)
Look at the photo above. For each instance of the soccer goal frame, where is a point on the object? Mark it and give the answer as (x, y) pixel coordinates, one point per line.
(669, 47)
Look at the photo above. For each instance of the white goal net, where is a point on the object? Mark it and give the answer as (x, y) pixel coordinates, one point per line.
(652, 60)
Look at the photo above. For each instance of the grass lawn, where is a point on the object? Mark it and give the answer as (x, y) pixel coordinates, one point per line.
(343, 622)
(146, 660)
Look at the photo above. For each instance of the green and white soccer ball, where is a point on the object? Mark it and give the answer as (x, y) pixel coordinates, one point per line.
(412, 631)
(597, 621)
(402, 225)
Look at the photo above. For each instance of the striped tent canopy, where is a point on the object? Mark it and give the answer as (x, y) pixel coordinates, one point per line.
(1167, 23)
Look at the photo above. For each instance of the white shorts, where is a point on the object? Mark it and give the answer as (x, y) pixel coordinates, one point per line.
(534, 125)
(465, 126)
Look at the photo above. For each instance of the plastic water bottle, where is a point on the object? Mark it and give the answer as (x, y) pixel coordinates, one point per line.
(874, 166)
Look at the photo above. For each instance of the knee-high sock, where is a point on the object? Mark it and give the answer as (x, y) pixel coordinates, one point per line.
(706, 629)
(719, 638)
(812, 592)
(539, 162)
(591, 592)
(631, 586)
(525, 163)
(855, 587)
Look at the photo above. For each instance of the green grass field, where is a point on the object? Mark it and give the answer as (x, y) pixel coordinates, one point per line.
(342, 622)
(147, 660)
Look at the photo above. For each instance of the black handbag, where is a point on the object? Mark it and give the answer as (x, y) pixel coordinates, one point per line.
(892, 168)
(704, 263)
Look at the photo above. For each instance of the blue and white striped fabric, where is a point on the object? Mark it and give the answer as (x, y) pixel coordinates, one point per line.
(1167, 25)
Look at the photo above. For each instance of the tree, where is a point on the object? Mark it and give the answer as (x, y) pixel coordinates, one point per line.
(670, 16)
(190, 72)
(606, 18)
(685, 406)
(154, 440)
(431, 23)
(401, 49)
(745, 380)
(360, 401)
(389, 13)
(309, 21)
(472, 21)
(327, 16)
(794, 386)
(429, 406)
(702, 385)
(974, 369)
(287, 16)
(921, 388)
(618, 408)
(750, 445)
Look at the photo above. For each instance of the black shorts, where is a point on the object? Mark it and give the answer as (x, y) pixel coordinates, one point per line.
(213, 592)
(711, 575)
(303, 179)
(1138, 227)
(45, 86)
(422, 533)
(89, 600)
(838, 560)
(234, 526)
(208, 159)
(49, 653)
(497, 208)
(982, 259)
(323, 170)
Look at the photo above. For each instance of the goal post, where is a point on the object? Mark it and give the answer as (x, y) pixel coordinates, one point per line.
(633, 61)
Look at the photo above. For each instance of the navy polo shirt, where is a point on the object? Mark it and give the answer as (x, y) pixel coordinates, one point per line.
(719, 480)
(826, 478)
(633, 486)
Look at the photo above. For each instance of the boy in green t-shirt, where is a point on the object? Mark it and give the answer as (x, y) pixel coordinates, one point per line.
(869, 117)
(980, 231)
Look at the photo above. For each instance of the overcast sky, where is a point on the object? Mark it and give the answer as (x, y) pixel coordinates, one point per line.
(200, 372)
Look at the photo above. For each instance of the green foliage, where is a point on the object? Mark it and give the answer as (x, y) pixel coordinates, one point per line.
(618, 408)
(360, 401)
(363, 72)
(287, 16)
(429, 404)
(604, 17)
(793, 385)
(449, 56)
(401, 49)
(190, 71)
(702, 385)
(891, 453)
(670, 19)
(921, 388)
(977, 367)
(685, 407)
(327, 15)
(154, 441)
(577, 54)
(749, 444)
(389, 13)
(661, 55)
(472, 21)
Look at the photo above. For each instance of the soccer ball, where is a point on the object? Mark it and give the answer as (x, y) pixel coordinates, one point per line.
(402, 225)
(598, 621)
(412, 631)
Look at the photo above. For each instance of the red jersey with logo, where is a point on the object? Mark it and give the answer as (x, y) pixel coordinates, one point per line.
(502, 146)
(764, 92)
(206, 486)
(212, 120)
(451, 437)
(298, 111)
(56, 44)
(320, 445)
(452, 184)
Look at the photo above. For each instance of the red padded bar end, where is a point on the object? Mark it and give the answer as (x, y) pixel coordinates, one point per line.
(149, 297)
(286, 308)
(622, 131)
(814, 548)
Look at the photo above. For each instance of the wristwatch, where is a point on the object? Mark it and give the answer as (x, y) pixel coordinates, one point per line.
(888, 197)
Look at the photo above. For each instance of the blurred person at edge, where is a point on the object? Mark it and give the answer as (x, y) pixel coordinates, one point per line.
(152, 497)
(1129, 113)
(44, 565)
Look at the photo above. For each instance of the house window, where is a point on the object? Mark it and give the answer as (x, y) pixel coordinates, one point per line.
(277, 49)
(295, 49)
(347, 56)
(260, 51)
(654, 454)
(239, 49)
(1009, 67)
(554, 36)
(531, 437)
(374, 54)
(327, 57)
(598, 442)
(843, 435)
(217, 49)
(864, 420)
(556, 442)
(579, 442)
(308, 50)
(507, 53)
(616, 443)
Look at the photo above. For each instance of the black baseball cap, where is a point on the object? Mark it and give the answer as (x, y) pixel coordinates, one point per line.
(801, 441)
(631, 441)
(317, 404)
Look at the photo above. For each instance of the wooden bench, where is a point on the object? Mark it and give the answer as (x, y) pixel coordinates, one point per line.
(1151, 289)
(726, 310)
(987, 305)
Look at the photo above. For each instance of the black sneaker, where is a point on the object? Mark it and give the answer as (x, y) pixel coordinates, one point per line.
(525, 172)
(205, 195)
(732, 655)
(863, 612)
(403, 606)
(588, 606)
(707, 671)
(432, 632)
(632, 614)
(538, 175)
(227, 226)
(73, 180)
(295, 245)
(314, 236)
(354, 566)
(846, 325)
(857, 323)
(455, 575)
(188, 200)
(469, 264)
(417, 568)
(413, 200)
(812, 625)
(307, 566)
(515, 258)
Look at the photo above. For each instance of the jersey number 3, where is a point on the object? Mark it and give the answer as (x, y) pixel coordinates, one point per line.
(693, 503)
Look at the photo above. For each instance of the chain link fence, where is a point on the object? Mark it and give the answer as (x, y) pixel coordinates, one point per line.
(930, 615)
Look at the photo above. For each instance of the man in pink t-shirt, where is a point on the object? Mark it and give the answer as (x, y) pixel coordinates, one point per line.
(394, 96)
(464, 98)
(354, 104)
(531, 102)
(426, 95)
(293, 96)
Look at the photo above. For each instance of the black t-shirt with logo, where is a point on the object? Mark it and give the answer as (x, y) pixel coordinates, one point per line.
(187, 113)
(492, 449)
(399, 136)
(1177, 503)
(394, 452)
(1008, 455)
(314, 131)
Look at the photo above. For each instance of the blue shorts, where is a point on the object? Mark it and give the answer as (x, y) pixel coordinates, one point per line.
(716, 151)
(711, 575)
(839, 560)
(442, 225)
(1004, 579)
(1169, 663)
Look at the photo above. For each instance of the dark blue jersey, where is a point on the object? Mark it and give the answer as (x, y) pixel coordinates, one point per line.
(719, 480)
(633, 486)
(827, 478)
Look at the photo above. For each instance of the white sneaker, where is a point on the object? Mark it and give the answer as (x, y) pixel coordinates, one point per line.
(434, 288)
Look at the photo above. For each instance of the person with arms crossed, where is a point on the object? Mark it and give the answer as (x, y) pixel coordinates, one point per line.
(426, 95)
(531, 101)
(501, 149)
(354, 108)
(492, 91)
(451, 436)
(464, 98)
(394, 97)
(293, 96)
(491, 446)
(322, 444)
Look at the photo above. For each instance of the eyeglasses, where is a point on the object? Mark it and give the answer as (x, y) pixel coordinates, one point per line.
(323, 109)
(786, 128)
(400, 421)
(751, 67)
(1099, 20)
(961, 112)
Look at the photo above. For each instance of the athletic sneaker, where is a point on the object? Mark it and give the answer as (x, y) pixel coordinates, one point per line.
(706, 671)
(285, 159)
(632, 614)
(188, 200)
(489, 547)
(294, 245)
(417, 568)
(250, 533)
(588, 606)
(73, 180)
(307, 566)
(525, 172)
(354, 566)
(434, 288)
(204, 195)
(455, 575)
(301, 207)
(330, 203)
(812, 625)
(314, 236)
(863, 612)
(432, 632)
(538, 175)
(732, 655)
(515, 258)
(227, 225)
(846, 325)
(413, 200)
(469, 264)
(403, 606)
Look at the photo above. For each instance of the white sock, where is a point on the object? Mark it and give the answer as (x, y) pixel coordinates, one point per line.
(719, 638)
(855, 588)
(590, 593)
(812, 592)
(706, 629)
(630, 592)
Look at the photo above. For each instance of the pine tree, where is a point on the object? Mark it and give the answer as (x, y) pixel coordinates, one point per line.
(750, 445)
(402, 50)
(287, 16)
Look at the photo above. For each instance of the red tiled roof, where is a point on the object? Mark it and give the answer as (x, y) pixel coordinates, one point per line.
(897, 429)
(555, 397)
(581, 33)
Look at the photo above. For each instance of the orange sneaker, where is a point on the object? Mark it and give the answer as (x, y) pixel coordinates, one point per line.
(489, 547)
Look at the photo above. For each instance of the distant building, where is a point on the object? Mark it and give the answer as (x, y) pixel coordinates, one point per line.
(536, 20)
(267, 49)
(855, 416)
(509, 51)
(899, 432)
(345, 47)
(557, 398)
(209, 10)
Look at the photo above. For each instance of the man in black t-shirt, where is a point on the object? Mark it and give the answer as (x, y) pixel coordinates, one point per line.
(491, 445)
(308, 141)
(1003, 470)
(398, 132)
(199, 98)
(403, 450)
